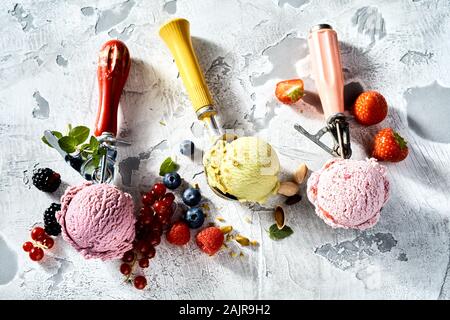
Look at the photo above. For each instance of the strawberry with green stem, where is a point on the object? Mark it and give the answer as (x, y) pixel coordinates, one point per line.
(289, 91)
(389, 146)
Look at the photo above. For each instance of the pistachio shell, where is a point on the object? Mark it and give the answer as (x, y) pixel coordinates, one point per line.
(300, 173)
(288, 188)
(279, 217)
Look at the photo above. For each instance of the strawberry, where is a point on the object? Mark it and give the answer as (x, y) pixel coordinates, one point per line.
(178, 234)
(210, 240)
(289, 91)
(389, 146)
(370, 108)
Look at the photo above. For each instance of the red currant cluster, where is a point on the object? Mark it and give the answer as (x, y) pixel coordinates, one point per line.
(155, 214)
(40, 241)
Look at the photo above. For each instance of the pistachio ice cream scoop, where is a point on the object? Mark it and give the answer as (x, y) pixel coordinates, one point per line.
(246, 168)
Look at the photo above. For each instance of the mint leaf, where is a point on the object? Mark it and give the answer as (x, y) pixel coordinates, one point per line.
(277, 234)
(57, 134)
(85, 150)
(97, 156)
(101, 151)
(93, 142)
(79, 133)
(68, 144)
(168, 166)
(96, 161)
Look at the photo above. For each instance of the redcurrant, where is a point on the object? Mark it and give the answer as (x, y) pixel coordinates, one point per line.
(37, 233)
(36, 254)
(159, 189)
(27, 246)
(125, 269)
(140, 282)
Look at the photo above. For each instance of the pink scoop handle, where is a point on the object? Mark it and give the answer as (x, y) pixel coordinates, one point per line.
(327, 69)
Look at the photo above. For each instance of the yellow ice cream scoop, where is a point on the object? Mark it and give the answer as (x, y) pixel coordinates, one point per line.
(243, 168)
(246, 168)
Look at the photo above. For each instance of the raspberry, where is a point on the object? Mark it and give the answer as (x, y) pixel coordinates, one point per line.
(210, 240)
(178, 234)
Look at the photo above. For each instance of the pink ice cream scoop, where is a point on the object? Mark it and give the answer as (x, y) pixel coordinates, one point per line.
(349, 193)
(97, 220)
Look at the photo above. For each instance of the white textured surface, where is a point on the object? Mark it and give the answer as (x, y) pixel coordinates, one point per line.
(48, 55)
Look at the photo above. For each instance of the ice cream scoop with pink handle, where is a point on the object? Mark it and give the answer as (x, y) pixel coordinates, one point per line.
(97, 220)
(349, 193)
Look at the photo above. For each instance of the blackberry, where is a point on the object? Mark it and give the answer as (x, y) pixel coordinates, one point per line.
(52, 226)
(53, 229)
(45, 179)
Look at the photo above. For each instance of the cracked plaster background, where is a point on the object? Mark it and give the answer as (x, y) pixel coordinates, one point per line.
(400, 48)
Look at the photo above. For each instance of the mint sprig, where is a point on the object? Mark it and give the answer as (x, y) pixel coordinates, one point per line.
(57, 134)
(168, 166)
(76, 141)
(278, 234)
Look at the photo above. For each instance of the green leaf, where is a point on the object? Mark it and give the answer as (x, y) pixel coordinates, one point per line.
(68, 144)
(57, 134)
(101, 151)
(79, 133)
(85, 146)
(93, 142)
(277, 234)
(96, 161)
(168, 166)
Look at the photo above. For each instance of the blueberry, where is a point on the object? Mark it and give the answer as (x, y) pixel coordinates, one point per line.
(191, 197)
(172, 180)
(194, 217)
(187, 147)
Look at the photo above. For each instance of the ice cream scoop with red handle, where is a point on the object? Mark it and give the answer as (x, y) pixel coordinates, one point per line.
(112, 73)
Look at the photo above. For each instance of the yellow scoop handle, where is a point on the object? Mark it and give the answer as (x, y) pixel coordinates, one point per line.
(176, 35)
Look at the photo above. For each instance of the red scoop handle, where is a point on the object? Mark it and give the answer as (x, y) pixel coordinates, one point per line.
(113, 68)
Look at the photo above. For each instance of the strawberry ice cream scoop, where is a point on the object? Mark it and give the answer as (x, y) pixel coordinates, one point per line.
(97, 220)
(349, 193)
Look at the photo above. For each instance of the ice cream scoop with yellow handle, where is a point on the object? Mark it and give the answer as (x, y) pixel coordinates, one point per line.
(240, 174)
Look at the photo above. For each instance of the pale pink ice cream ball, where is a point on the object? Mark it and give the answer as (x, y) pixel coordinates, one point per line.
(97, 220)
(349, 193)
